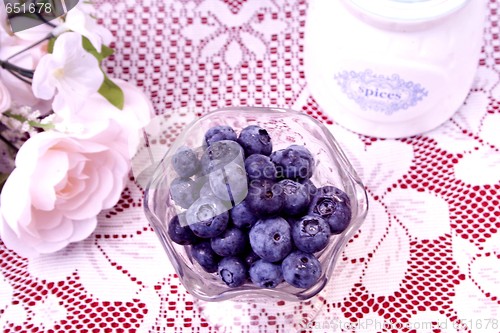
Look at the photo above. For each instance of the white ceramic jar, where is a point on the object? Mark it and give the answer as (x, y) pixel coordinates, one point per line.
(392, 68)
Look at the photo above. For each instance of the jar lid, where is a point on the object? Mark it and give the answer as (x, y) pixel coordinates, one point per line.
(408, 10)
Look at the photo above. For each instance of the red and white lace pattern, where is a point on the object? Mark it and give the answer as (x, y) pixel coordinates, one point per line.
(428, 252)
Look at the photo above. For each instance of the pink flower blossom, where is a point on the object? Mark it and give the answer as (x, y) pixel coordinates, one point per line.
(64, 178)
(69, 74)
(5, 100)
(60, 184)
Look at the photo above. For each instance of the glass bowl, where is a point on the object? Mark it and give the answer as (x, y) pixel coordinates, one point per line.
(285, 127)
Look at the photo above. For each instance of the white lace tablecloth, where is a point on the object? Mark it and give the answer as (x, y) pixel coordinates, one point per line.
(429, 251)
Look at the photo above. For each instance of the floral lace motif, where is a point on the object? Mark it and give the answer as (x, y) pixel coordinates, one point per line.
(427, 253)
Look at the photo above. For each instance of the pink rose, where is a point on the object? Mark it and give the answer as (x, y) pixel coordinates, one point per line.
(60, 183)
(4, 98)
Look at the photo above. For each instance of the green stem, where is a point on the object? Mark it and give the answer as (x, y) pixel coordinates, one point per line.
(32, 123)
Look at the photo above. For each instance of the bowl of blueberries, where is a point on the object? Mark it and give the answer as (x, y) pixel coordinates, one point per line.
(253, 203)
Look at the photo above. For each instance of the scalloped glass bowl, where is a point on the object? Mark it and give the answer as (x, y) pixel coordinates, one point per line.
(285, 127)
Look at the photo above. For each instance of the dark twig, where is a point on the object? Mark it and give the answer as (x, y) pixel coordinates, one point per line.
(49, 36)
(8, 143)
(25, 75)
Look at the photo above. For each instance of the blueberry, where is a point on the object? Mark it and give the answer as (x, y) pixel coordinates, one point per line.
(181, 234)
(207, 217)
(271, 239)
(232, 271)
(219, 133)
(250, 257)
(242, 216)
(220, 154)
(185, 162)
(294, 162)
(310, 187)
(184, 191)
(255, 140)
(265, 197)
(230, 243)
(259, 166)
(206, 164)
(334, 206)
(301, 270)
(296, 197)
(205, 256)
(265, 274)
(311, 233)
(229, 183)
(206, 190)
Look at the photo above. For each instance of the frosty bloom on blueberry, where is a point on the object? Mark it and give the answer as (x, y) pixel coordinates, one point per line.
(254, 215)
(229, 183)
(271, 239)
(265, 197)
(301, 269)
(219, 154)
(260, 166)
(311, 233)
(185, 162)
(181, 234)
(232, 271)
(184, 191)
(295, 197)
(205, 256)
(219, 133)
(294, 162)
(231, 242)
(205, 189)
(242, 216)
(334, 206)
(265, 274)
(207, 217)
(255, 140)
